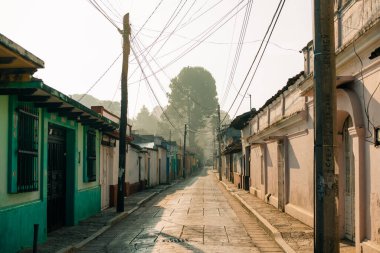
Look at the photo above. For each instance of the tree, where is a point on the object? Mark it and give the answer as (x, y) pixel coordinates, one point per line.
(192, 99)
(145, 122)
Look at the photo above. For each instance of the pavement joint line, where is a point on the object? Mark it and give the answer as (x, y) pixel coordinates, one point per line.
(92, 237)
(275, 233)
(110, 223)
(66, 249)
(146, 199)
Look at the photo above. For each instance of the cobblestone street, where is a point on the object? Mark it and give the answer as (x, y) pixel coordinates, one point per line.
(197, 215)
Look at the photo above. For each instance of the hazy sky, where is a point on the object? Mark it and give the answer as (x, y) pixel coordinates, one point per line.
(78, 45)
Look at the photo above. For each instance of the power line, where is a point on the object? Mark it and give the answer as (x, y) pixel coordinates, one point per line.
(238, 50)
(114, 95)
(208, 31)
(147, 81)
(226, 43)
(262, 54)
(111, 9)
(168, 23)
(182, 26)
(146, 21)
(230, 50)
(99, 8)
(158, 81)
(100, 78)
(170, 20)
(257, 53)
(167, 76)
(186, 23)
(137, 98)
(205, 36)
(168, 37)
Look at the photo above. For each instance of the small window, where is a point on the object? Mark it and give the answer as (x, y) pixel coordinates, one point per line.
(91, 155)
(27, 149)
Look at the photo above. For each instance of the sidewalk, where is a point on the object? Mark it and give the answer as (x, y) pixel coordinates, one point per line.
(68, 239)
(291, 234)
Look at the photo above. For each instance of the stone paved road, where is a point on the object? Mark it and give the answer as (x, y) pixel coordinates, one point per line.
(197, 215)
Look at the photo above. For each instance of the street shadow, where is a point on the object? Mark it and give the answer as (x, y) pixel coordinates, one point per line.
(145, 235)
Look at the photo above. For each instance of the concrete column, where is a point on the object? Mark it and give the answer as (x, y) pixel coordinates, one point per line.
(358, 135)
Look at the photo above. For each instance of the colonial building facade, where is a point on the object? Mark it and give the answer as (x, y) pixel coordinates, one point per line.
(281, 133)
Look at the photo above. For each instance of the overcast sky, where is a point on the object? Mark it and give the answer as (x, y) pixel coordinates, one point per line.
(78, 45)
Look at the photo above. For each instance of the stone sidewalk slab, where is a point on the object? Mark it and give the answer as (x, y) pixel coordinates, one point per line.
(68, 239)
(291, 234)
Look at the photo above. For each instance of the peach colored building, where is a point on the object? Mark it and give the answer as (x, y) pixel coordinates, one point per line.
(281, 133)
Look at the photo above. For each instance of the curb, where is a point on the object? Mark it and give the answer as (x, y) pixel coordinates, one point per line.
(276, 235)
(110, 223)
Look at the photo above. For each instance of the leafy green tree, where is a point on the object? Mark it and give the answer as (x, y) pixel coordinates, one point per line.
(192, 100)
(145, 122)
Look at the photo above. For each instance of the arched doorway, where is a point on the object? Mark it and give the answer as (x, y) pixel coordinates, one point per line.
(349, 182)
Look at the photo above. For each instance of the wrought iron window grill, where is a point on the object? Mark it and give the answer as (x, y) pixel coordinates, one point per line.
(27, 148)
(91, 155)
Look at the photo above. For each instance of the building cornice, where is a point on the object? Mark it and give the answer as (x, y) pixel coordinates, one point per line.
(277, 126)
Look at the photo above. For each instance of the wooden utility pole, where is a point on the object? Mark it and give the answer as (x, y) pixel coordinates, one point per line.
(170, 165)
(123, 116)
(184, 153)
(219, 147)
(214, 153)
(325, 185)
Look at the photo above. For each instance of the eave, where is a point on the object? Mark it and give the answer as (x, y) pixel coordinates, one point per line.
(15, 59)
(270, 133)
(44, 96)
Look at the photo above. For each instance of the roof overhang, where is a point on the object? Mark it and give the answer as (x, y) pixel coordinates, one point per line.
(16, 60)
(44, 96)
(234, 147)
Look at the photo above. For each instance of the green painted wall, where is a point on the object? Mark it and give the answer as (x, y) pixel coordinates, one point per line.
(19, 211)
(88, 203)
(83, 199)
(16, 226)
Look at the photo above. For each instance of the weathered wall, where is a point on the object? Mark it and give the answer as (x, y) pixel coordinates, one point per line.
(162, 157)
(132, 166)
(153, 172)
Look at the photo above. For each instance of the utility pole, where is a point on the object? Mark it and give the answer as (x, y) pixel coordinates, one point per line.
(170, 165)
(184, 153)
(214, 153)
(123, 116)
(219, 148)
(250, 102)
(325, 185)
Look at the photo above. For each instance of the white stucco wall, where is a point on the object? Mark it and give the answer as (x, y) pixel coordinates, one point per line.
(153, 170)
(132, 166)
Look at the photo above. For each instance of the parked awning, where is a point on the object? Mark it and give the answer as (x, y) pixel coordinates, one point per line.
(44, 96)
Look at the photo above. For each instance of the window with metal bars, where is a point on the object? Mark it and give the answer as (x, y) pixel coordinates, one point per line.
(27, 148)
(91, 155)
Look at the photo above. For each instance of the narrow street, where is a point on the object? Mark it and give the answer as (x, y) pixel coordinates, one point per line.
(197, 215)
